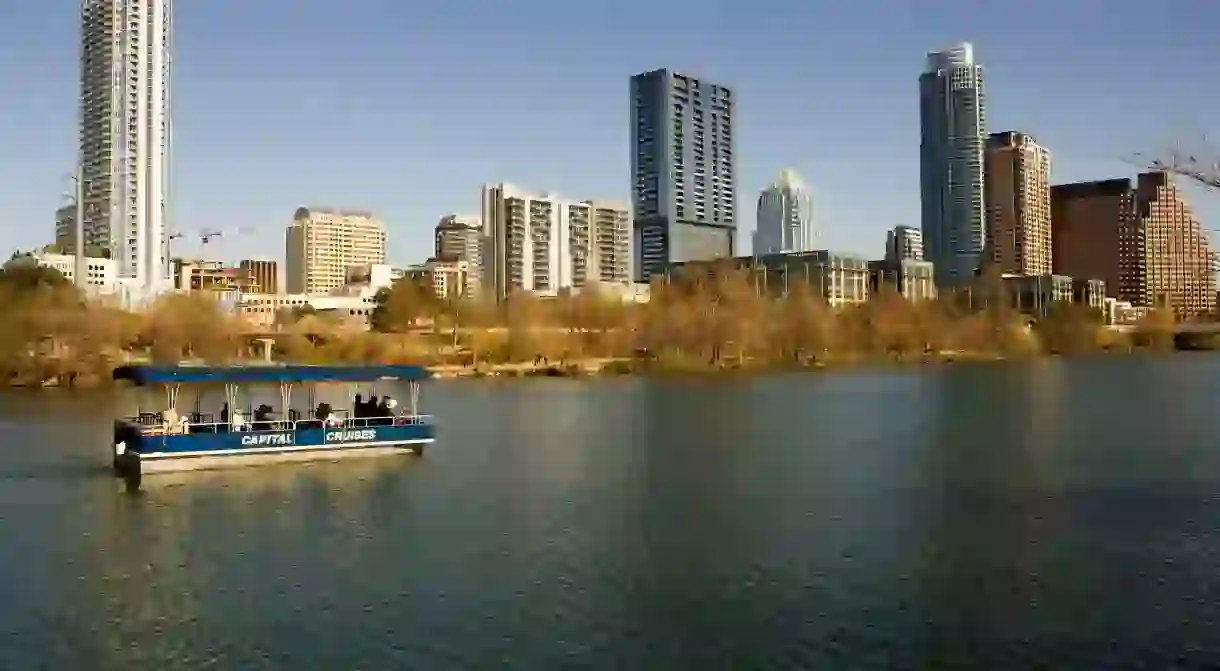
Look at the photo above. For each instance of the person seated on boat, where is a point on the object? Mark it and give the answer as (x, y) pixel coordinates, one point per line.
(262, 417)
(391, 412)
(239, 422)
(358, 406)
(170, 421)
(321, 413)
(224, 418)
(370, 408)
(380, 412)
(333, 420)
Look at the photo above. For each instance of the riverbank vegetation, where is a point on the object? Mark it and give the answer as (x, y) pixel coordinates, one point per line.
(721, 321)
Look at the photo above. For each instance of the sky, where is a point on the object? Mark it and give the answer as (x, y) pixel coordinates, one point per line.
(407, 108)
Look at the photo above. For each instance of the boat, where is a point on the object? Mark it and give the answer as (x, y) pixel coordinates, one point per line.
(168, 441)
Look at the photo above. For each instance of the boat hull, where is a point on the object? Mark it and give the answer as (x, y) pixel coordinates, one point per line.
(152, 454)
(152, 464)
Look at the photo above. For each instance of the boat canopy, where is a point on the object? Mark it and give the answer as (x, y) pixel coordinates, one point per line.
(142, 375)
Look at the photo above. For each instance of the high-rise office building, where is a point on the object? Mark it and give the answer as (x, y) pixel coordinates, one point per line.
(541, 243)
(1143, 240)
(952, 123)
(683, 176)
(265, 274)
(124, 133)
(903, 243)
(785, 216)
(322, 243)
(460, 238)
(1017, 190)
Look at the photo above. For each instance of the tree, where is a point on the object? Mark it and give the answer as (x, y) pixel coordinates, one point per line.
(192, 325)
(25, 274)
(397, 307)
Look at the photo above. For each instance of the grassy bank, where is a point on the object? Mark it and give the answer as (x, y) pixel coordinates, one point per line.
(713, 324)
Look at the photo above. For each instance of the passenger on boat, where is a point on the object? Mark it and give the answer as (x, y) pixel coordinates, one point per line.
(170, 422)
(358, 406)
(262, 417)
(239, 422)
(262, 413)
(322, 412)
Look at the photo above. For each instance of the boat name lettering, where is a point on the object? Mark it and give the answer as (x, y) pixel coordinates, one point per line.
(268, 439)
(351, 436)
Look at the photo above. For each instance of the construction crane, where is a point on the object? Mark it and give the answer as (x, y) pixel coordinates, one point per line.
(206, 236)
(1200, 163)
(1195, 160)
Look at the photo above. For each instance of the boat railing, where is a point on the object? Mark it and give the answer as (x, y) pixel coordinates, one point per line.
(153, 425)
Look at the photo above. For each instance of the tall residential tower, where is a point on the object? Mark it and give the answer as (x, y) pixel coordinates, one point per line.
(124, 132)
(785, 216)
(683, 177)
(544, 244)
(952, 122)
(1018, 195)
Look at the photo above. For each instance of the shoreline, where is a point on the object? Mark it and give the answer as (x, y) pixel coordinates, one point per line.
(601, 367)
(626, 367)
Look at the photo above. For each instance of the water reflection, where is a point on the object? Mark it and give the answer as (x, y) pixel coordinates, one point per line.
(969, 517)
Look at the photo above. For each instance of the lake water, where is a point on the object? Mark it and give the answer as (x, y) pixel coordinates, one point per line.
(985, 516)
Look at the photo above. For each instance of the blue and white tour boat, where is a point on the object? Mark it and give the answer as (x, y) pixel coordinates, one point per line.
(242, 433)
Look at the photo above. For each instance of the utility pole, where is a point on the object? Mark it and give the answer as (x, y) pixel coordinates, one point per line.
(78, 271)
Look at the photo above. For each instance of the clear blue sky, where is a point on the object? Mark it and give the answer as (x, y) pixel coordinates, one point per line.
(405, 108)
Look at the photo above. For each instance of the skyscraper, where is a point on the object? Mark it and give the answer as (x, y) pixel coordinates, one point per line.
(1018, 195)
(683, 175)
(903, 243)
(785, 216)
(952, 121)
(124, 131)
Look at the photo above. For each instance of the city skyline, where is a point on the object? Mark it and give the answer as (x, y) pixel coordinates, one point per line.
(220, 151)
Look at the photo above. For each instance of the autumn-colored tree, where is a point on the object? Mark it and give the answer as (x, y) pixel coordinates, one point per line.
(1070, 329)
(398, 307)
(531, 330)
(807, 328)
(1155, 330)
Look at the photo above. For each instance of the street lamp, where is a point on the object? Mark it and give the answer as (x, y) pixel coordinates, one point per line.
(78, 271)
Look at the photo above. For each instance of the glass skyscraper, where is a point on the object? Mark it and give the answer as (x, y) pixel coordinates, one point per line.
(683, 177)
(785, 216)
(952, 128)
